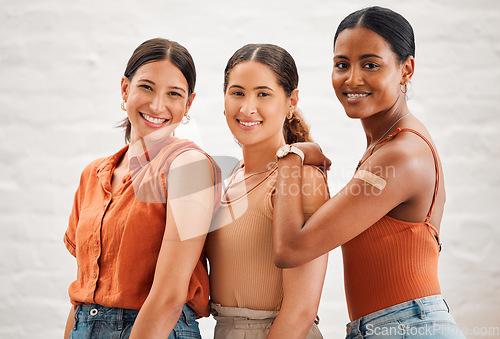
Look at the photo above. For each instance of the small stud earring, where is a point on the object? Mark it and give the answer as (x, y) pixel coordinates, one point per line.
(123, 106)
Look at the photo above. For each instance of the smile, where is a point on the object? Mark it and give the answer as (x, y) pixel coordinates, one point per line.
(153, 120)
(355, 95)
(249, 123)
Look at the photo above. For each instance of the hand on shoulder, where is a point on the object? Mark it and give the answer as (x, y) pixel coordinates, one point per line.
(313, 155)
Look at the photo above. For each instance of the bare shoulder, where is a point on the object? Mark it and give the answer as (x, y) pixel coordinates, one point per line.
(191, 169)
(314, 186)
(405, 160)
(190, 157)
(312, 173)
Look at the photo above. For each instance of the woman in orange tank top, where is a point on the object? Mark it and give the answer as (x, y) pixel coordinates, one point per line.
(387, 217)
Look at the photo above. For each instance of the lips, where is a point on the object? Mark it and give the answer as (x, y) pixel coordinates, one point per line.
(249, 123)
(357, 95)
(153, 120)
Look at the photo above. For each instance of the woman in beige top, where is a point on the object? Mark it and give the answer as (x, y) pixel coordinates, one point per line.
(251, 297)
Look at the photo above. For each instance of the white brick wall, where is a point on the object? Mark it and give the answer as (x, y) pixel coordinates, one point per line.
(60, 69)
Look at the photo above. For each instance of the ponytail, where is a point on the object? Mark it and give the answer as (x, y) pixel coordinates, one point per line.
(295, 129)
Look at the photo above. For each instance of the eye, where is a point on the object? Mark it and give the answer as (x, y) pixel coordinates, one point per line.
(263, 94)
(370, 65)
(175, 94)
(149, 88)
(341, 65)
(237, 93)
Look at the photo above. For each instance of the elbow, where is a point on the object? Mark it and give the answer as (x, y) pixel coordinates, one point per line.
(283, 256)
(303, 319)
(287, 250)
(170, 302)
(174, 304)
(307, 317)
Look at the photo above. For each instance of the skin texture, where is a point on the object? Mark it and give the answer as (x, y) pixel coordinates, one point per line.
(159, 89)
(253, 94)
(69, 322)
(363, 64)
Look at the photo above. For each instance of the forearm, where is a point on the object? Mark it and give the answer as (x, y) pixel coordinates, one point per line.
(294, 324)
(70, 322)
(156, 319)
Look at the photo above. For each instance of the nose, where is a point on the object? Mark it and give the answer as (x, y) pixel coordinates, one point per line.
(159, 104)
(249, 107)
(354, 77)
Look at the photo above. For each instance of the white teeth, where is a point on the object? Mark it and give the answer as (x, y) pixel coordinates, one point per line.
(248, 124)
(351, 95)
(153, 120)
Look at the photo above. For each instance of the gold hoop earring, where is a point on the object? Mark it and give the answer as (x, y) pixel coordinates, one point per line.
(185, 119)
(289, 116)
(405, 89)
(123, 106)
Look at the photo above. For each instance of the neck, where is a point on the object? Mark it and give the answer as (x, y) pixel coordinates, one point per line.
(382, 124)
(261, 156)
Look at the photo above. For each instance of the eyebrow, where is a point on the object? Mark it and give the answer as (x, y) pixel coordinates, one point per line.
(152, 83)
(256, 88)
(364, 56)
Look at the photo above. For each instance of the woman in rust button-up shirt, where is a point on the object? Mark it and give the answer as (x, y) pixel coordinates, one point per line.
(140, 217)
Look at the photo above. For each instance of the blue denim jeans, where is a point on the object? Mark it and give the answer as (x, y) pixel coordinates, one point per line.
(427, 317)
(95, 321)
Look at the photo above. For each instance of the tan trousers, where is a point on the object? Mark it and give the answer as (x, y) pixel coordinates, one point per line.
(244, 323)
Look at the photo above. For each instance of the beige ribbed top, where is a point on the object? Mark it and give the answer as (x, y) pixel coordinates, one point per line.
(240, 250)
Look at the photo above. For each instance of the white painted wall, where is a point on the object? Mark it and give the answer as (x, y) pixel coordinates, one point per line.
(60, 69)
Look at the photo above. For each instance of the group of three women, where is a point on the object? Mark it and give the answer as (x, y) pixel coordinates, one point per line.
(145, 219)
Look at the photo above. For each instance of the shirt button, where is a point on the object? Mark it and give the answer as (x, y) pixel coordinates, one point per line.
(93, 312)
(95, 275)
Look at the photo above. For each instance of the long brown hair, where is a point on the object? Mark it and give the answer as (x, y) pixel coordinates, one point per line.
(160, 49)
(283, 66)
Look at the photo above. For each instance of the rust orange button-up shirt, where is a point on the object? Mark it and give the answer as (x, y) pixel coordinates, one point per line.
(116, 238)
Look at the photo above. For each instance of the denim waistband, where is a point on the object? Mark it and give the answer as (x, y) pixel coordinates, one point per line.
(98, 312)
(404, 310)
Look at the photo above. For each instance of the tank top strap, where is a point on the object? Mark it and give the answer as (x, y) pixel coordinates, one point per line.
(436, 165)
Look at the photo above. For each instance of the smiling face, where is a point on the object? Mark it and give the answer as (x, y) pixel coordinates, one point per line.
(367, 75)
(256, 105)
(157, 98)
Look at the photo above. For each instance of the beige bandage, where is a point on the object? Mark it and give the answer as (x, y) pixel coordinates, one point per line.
(371, 178)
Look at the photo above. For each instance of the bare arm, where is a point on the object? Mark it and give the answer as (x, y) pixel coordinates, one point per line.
(350, 212)
(70, 322)
(302, 285)
(188, 220)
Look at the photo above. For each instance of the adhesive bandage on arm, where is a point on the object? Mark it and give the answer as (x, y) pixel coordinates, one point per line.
(371, 178)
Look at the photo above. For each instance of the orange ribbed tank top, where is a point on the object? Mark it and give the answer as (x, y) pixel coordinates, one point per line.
(393, 261)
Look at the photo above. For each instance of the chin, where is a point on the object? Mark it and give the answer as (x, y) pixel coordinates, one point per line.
(353, 114)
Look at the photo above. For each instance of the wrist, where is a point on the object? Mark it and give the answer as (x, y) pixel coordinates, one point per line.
(285, 150)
